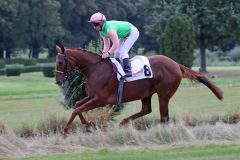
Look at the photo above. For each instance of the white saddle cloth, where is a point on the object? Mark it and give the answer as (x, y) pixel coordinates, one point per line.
(141, 68)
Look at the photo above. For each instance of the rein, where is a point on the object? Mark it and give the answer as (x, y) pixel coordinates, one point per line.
(65, 72)
(90, 66)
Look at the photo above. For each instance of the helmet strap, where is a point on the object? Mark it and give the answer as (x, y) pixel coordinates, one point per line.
(101, 24)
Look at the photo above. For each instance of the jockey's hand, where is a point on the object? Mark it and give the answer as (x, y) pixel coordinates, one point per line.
(105, 55)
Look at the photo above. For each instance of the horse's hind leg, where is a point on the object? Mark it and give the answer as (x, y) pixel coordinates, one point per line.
(163, 107)
(146, 109)
(164, 101)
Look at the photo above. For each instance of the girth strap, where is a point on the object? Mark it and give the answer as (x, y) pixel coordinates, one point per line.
(120, 91)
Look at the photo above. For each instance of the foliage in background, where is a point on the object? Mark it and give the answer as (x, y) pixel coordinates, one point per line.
(178, 40)
(234, 54)
(95, 46)
(215, 22)
(74, 90)
(37, 31)
(217, 58)
(8, 15)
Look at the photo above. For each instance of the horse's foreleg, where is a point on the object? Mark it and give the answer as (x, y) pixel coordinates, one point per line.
(88, 105)
(146, 109)
(78, 104)
(82, 101)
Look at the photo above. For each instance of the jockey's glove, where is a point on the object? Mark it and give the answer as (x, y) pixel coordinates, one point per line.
(105, 55)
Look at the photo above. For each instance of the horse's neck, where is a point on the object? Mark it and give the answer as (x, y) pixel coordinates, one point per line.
(93, 67)
(83, 59)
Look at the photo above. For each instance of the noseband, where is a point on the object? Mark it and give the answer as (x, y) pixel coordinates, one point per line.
(65, 73)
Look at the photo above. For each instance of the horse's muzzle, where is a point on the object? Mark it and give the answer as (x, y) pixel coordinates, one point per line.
(58, 83)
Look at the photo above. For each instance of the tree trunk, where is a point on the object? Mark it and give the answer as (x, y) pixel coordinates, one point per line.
(8, 52)
(51, 51)
(1, 53)
(203, 67)
(35, 49)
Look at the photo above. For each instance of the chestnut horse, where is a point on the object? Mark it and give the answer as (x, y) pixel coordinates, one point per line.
(102, 83)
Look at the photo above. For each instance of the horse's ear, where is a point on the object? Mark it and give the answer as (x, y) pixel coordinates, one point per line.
(60, 49)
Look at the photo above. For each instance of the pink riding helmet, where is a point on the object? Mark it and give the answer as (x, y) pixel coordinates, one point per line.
(97, 17)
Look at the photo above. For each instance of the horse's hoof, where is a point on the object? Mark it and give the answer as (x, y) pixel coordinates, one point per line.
(64, 135)
(124, 122)
(164, 120)
(65, 132)
(93, 124)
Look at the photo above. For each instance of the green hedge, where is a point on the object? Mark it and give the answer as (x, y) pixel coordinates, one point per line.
(28, 61)
(14, 70)
(2, 63)
(14, 61)
(2, 72)
(27, 69)
(48, 70)
(47, 60)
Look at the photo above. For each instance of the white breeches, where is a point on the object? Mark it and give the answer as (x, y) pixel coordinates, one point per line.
(125, 44)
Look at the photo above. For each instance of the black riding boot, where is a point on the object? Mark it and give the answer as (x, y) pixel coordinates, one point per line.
(127, 67)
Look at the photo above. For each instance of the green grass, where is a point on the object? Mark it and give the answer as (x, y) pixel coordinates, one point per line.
(26, 85)
(15, 112)
(220, 68)
(32, 96)
(221, 81)
(192, 101)
(28, 98)
(209, 152)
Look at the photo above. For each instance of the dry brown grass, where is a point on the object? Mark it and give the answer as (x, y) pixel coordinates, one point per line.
(2, 127)
(100, 116)
(229, 118)
(148, 133)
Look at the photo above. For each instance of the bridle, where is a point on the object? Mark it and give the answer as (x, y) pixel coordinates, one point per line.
(65, 74)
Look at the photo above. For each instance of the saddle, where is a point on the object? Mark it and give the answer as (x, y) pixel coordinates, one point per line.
(141, 68)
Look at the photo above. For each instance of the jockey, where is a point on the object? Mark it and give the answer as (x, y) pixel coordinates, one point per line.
(122, 35)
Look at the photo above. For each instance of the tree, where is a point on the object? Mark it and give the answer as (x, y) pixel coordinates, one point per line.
(215, 21)
(74, 17)
(160, 12)
(178, 40)
(38, 25)
(8, 13)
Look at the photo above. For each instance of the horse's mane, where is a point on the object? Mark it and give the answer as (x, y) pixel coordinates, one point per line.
(85, 51)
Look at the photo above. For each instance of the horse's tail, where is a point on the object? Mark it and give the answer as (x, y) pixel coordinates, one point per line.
(195, 76)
